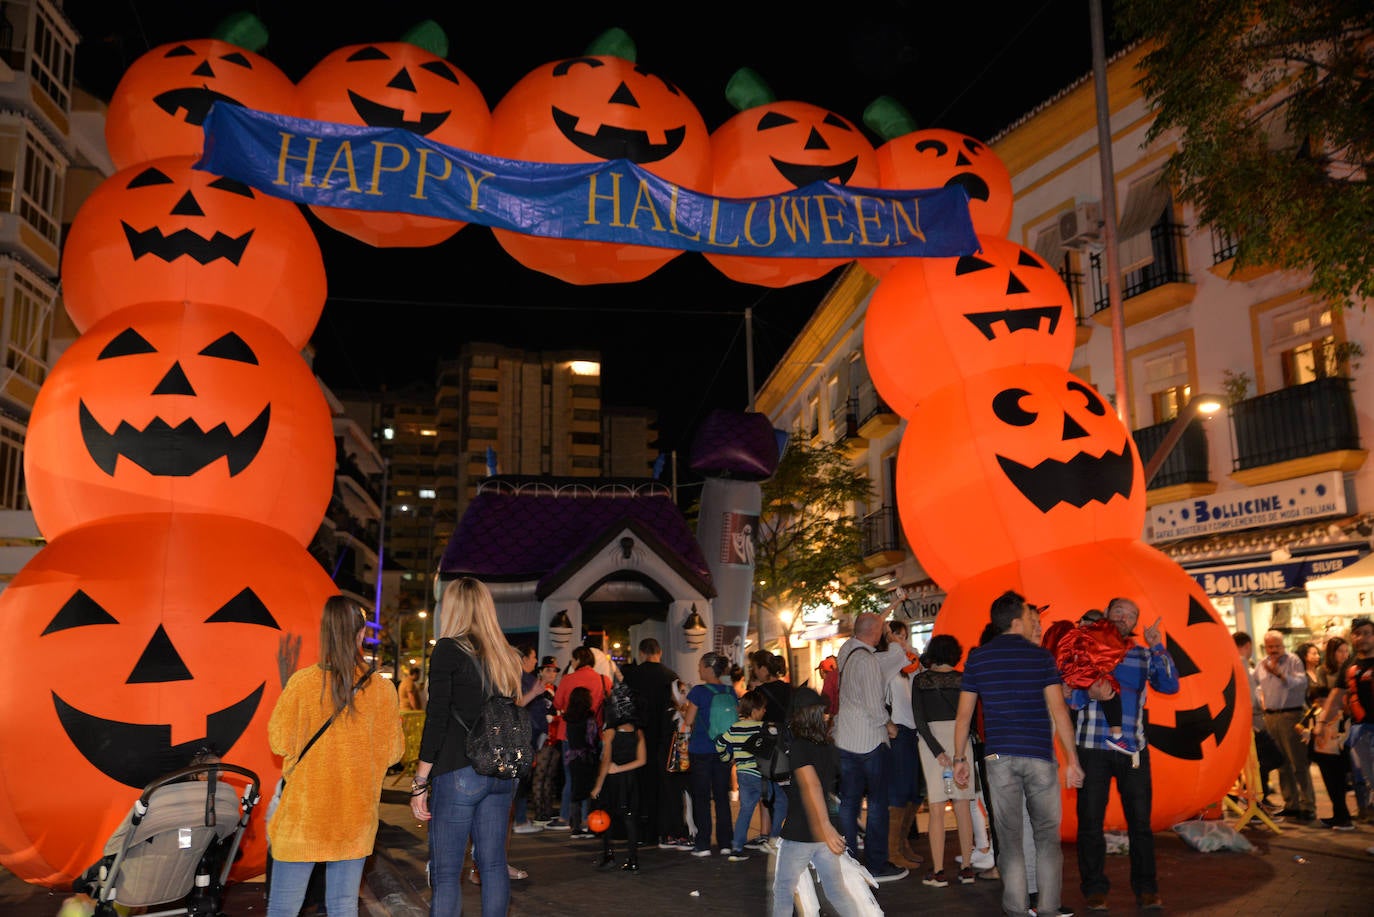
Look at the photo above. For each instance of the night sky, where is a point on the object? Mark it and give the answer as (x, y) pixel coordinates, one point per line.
(673, 342)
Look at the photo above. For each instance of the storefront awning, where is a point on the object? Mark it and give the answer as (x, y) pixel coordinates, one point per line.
(1272, 577)
(1348, 592)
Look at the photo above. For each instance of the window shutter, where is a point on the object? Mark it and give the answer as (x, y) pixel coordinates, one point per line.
(1145, 203)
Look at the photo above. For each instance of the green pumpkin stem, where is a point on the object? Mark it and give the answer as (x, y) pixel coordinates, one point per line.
(614, 42)
(428, 36)
(746, 90)
(888, 118)
(243, 30)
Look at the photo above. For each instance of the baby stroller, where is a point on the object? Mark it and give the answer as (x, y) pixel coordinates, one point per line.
(177, 842)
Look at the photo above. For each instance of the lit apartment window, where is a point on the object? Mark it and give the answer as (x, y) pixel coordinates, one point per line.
(1167, 384)
(50, 60)
(1306, 344)
(30, 326)
(427, 493)
(584, 368)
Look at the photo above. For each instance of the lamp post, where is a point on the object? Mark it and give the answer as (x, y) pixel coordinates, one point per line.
(1199, 404)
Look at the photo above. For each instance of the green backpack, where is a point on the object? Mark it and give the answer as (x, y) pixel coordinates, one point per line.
(723, 713)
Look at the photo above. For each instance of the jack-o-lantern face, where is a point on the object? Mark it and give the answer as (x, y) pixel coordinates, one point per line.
(1199, 737)
(593, 109)
(396, 84)
(159, 107)
(1015, 462)
(179, 407)
(933, 321)
(946, 159)
(159, 636)
(779, 147)
(164, 232)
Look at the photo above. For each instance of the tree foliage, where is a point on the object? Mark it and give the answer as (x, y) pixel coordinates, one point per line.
(809, 538)
(1273, 102)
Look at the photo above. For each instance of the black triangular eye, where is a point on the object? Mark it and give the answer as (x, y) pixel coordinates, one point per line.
(244, 608)
(1196, 613)
(1182, 661)
(180, 51)
(233, 187)
(968, 264)
(230, 347)
(78, 611)
(835, 120)
(775, 119)
(125, 344)
(1026, 259)
(442, 70)
(149, 177)
(234, 57)
(368, 53)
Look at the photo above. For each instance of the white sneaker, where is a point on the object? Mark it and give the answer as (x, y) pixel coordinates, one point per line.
(527, 828)
(983, 859)
(702, 853)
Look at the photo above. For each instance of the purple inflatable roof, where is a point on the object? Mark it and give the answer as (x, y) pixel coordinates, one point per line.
(735, 444)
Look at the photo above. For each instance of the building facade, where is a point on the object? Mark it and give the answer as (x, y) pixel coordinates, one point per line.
(1254, 500)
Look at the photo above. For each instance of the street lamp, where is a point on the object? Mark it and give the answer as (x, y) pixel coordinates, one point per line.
(1198, 404)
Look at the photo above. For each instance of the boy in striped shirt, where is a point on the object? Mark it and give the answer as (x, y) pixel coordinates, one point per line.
(730, 746)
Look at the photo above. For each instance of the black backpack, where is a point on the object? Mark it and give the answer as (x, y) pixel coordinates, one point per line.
(501, 742)
(770, 747)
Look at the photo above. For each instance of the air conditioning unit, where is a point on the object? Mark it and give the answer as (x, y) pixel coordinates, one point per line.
(1081, 227)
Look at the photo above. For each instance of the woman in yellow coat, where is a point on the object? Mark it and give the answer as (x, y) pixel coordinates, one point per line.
(328, 811)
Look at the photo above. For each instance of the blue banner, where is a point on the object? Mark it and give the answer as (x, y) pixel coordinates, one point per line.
(388, 169)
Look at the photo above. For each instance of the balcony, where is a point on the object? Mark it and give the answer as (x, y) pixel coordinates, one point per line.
(881, 544)
(1303, 429)
(1159, 287)
(1185, 472)
(876, 419)
(846, 426)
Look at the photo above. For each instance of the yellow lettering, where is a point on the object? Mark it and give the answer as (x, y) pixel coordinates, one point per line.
(379, 166)
(772, 224)
(284, 155)
(864, 219)
(613, 197)
(828, 218)
(422, 173)
(912, 220)
(344, 152)
(711, 236)
(644, 201)
(672, 215)
(475, 185)
(800, 224)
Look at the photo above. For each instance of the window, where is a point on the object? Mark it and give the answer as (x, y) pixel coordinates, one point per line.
(1306, 344)
(30, 326)
(1147, 201)
(813, 417)
(11, 467)
(1049, 247)
(485, 385)
(585, 414)
(585, 391)
(50, 63)
(1167, 384)
(587, 439)
(484, 361)
(1309, 362)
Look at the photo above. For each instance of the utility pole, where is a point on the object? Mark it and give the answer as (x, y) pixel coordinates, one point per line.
(749, 353)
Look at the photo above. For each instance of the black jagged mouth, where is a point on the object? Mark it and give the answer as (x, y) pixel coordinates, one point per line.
(973, 185)
(610, 142)
(194, 101)
(167, 451)
(799, 176)
(1081, 480)
(135, 754)
(1015, 320)
(1184, 739)
(185, 243)
(374, 114)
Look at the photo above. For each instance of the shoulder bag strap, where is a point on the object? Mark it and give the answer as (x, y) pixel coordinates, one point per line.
(319, 732)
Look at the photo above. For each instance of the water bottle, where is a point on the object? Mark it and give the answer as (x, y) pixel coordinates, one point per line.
(949, 783)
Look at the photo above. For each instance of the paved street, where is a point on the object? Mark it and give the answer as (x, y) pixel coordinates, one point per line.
(1304, 871)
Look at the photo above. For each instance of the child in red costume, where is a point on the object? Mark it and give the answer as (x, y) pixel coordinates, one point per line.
(1086, 653)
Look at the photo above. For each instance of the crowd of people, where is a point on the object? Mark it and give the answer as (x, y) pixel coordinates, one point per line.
(645, 758)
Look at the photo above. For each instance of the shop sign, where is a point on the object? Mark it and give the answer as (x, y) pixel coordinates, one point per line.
(1310, 497)
(1262, 579)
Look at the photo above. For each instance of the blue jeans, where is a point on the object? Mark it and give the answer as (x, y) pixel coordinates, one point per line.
(465, 803)
(866, 775)
(341, 881)
(906, 768)
(751, 789)
(710, 778)
(791, 867)
(776, 793)
(1100, 768)
(1361, 744)
(1016, 787)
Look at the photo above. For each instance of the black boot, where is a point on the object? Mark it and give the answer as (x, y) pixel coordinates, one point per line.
(606, 860)
(630, 867)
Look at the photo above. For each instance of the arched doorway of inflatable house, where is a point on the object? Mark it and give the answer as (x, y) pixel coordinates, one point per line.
(624, 607)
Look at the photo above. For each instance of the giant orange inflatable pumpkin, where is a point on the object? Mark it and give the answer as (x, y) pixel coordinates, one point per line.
(595, 108)
(1013, 463)
(162, 231)
(935, 158)
(933, 321)
(159, 107)
(1199, 738)
(405, 84)
(145, 640)
(773, 147)
(180, 407)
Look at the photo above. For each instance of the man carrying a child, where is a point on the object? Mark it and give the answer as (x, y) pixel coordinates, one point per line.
(1103, 761)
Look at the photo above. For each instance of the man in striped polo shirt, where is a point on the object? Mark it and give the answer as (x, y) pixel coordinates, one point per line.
(1023, 711)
